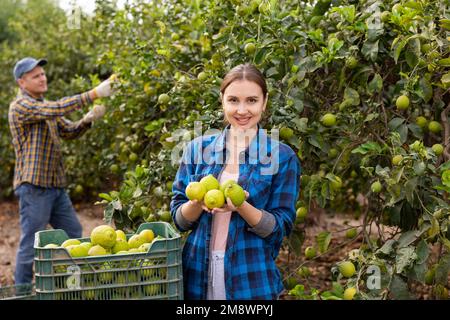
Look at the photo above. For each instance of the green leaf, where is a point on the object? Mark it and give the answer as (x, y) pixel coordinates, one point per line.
(445, 79)
(422, 252)
(109, 213)
(352, 96)
(370, 50)
(105, 196)
(316, 141)
(117, 205)
(398, 49)
(425, 89)
(387, 247)
(376, 84)
(137, 193)
(395, 123)
(399, 289)
(139, 171)
(368, 147)
(371, 116)
(296, 240)
(410, 188)
(301, 124)
(407, 238)
(405, 258)
(443, 269)
(323, 241)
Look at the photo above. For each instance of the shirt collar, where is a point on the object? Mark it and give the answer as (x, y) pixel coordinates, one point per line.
(24, 93)
(259, 144)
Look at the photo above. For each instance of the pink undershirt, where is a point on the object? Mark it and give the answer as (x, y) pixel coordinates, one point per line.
(221, 221)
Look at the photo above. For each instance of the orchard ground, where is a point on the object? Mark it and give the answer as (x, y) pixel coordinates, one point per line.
(91, 216)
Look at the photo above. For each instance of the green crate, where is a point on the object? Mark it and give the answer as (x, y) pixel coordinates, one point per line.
(18, 292)
(156, 274)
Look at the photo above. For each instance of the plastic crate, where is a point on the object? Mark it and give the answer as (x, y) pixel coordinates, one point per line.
(18, 292)
(156, 274)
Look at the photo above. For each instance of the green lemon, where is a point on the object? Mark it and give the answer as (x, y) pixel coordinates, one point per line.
(328, 120)
(163, 98)
(347, 269)
(195, 191)
(421, 121)
(434, 127)
(286, 133)
(135, 241)
(120, 245)
(376, 187)
(224, 185)
(438, 149)
(202, 76)
(397, 159)
(121, 235)
(214, 199)
(97, 250)
(250, 48)
(351, 233)
(301, 213)
(236, 194)
(310, 252)
(349, 293)
(148, 235)
(70, 242)
(351, 62)
(210, 182)
(402, 102)
(104, 235)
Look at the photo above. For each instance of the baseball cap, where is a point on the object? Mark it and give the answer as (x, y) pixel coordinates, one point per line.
(26, 65)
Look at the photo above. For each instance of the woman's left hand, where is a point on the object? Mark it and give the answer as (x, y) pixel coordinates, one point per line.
(228, 206)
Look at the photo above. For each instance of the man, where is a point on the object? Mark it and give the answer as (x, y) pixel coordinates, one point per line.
(36, 126)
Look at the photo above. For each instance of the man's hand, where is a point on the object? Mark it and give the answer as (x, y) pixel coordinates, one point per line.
(104, 89)
(96, 113)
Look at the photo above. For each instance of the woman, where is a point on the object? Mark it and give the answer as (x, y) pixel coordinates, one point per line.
(230, 252)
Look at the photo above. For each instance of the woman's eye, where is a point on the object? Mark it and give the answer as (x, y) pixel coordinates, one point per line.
(233, 100)
(252, 100)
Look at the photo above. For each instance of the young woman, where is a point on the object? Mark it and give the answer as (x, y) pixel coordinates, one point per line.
(230, 252)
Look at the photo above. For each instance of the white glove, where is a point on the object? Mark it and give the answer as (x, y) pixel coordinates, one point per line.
(96, 113)
(104, 89)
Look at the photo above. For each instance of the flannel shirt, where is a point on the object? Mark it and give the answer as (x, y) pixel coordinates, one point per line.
(36, 127)
(271, 175)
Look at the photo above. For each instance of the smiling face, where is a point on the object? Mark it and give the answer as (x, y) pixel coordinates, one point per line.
(243, 103)
(34, 82)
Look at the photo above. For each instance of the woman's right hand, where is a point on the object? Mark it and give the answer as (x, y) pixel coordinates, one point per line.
(198, 204)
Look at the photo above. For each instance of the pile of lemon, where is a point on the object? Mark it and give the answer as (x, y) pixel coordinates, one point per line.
(105, 240)
(213, 194)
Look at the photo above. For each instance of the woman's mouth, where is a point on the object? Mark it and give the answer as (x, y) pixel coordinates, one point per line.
(242, 121)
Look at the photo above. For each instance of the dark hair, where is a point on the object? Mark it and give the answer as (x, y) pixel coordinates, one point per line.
(244, 72)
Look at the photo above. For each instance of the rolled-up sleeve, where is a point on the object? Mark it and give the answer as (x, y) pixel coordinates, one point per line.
(30, 110)
(281, 204)
(72, 130)
(178, 190)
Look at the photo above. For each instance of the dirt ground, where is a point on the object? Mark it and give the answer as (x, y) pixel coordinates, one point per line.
(91, 216)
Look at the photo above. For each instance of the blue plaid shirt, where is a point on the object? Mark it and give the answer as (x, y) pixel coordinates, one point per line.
(271, 175)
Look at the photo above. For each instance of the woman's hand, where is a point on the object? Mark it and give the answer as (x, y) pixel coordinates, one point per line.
(229, 206)
(198, 204)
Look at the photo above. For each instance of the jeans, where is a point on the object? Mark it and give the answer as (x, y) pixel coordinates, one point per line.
(38, 207)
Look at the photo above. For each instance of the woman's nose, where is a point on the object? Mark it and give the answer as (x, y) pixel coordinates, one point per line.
(242, 108)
